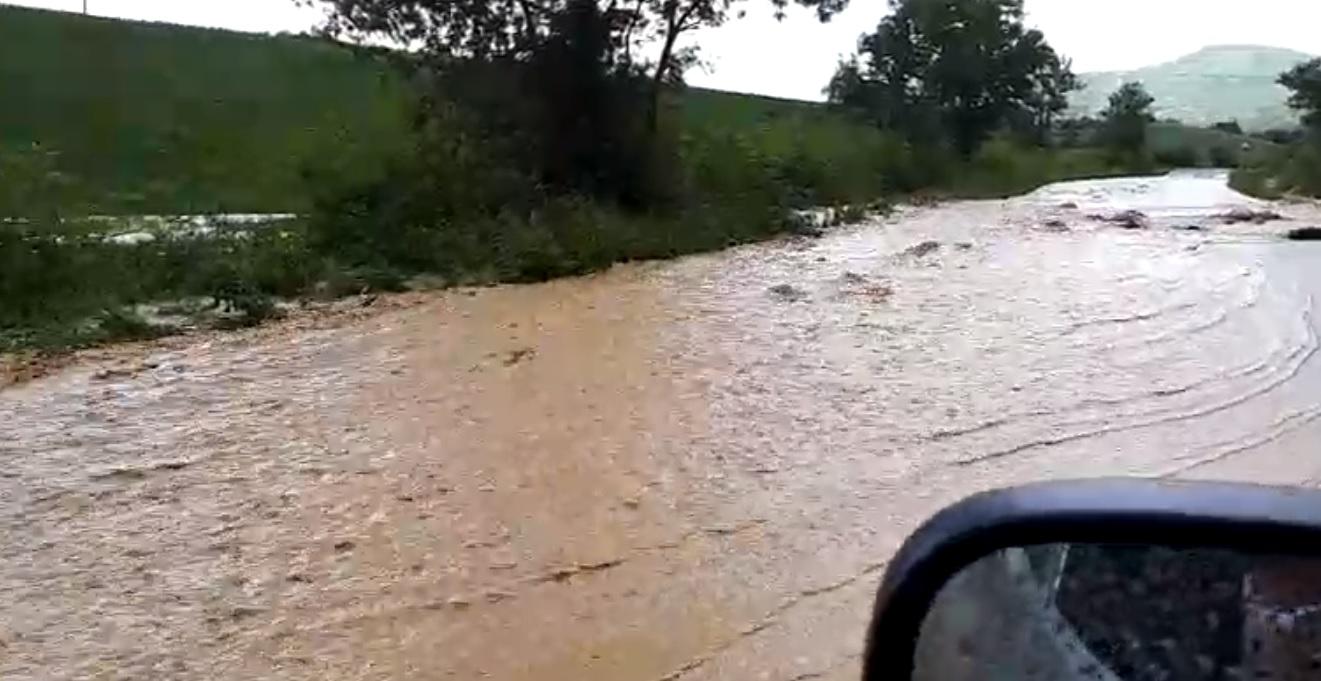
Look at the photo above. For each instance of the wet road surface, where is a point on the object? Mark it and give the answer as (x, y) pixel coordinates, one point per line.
(684, 470)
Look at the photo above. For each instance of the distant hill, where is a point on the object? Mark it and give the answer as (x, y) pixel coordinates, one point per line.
(1211, 85)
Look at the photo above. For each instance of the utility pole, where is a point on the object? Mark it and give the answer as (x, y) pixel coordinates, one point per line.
(84, 6)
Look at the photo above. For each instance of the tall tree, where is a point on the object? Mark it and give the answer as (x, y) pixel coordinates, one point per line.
(1127, 117)
(1304, 82)
(516, 29)
(956, 69)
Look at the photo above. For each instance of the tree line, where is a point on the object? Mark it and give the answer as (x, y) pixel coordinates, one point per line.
(528, 105)
(1295, 166)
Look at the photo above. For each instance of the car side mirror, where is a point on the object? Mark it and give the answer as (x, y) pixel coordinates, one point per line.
(1106, 580)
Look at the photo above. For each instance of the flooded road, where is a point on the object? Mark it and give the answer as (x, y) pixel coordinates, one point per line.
(670, 471)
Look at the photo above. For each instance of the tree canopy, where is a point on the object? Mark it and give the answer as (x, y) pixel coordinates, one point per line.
(568, 91)
(1304, 82)
(486, 29)
(1127, 117)
(956, 70)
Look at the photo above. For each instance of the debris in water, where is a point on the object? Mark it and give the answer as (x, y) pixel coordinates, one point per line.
(515, 356)
(1305, 234)
(878, 292)
(922, 249)
(497, 595)
(244, 612)
(106, 374)
(1245, 214)
(1128, 219)
(1056, 225)
(788, 292)
(344, 545)
(120, 473)
(562, 574)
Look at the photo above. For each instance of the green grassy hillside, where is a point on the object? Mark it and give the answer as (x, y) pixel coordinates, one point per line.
(153, 117)
(1212, 85)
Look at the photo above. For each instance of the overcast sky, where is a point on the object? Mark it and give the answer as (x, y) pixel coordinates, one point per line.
(795, 57)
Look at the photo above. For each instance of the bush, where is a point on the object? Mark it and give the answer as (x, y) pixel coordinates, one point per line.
(1177, 157)
(1223, 157)
(1291, 170)
(120, 324)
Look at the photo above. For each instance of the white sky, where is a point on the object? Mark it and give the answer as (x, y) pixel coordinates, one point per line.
(796, 57)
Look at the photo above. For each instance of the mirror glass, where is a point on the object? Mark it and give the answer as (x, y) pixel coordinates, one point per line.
(1125, 613)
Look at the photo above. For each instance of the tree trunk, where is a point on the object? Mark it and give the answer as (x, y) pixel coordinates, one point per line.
(658, 80)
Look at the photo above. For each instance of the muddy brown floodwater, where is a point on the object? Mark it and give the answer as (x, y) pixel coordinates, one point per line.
(669, 471)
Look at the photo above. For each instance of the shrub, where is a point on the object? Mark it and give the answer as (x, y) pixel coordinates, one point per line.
(1178, 157)
(1223, 157)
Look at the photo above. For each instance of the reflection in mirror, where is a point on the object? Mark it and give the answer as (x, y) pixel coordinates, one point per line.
(1125, 613)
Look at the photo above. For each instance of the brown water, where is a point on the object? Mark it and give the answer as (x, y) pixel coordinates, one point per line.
(667, 471)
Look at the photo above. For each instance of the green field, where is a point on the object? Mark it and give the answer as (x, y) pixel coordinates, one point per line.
(150, 118)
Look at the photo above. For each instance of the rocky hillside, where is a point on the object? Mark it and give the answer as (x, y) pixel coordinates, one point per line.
(1214, 84)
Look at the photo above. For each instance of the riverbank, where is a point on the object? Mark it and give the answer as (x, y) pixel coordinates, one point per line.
(68, 286)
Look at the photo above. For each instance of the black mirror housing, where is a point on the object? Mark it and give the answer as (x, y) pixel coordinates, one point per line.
(1250, 519)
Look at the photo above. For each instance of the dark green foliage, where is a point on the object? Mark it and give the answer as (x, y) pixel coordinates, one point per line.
(63, 286)
(1296, 168)
(118, 324)
(1224, 157)
(1126, 119)
(1304, 83)
(957, 70)
(1231, 127)
(1282, 135)
(1292, 169)
(153, 118)
(1178, 157)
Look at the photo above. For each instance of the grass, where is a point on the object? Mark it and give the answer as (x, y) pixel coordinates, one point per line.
(1281, 171)
(1203, 147)
(154, 118)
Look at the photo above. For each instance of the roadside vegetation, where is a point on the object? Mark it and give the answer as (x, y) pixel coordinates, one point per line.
(1294, 166)
(521, 142)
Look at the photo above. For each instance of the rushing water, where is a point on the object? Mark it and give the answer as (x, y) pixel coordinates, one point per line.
(682, 470)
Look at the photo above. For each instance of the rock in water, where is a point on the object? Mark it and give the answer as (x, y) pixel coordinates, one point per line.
(1129, 219)
(924, 248)
(788, 292)
(1245, 214)
(1305, 234)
